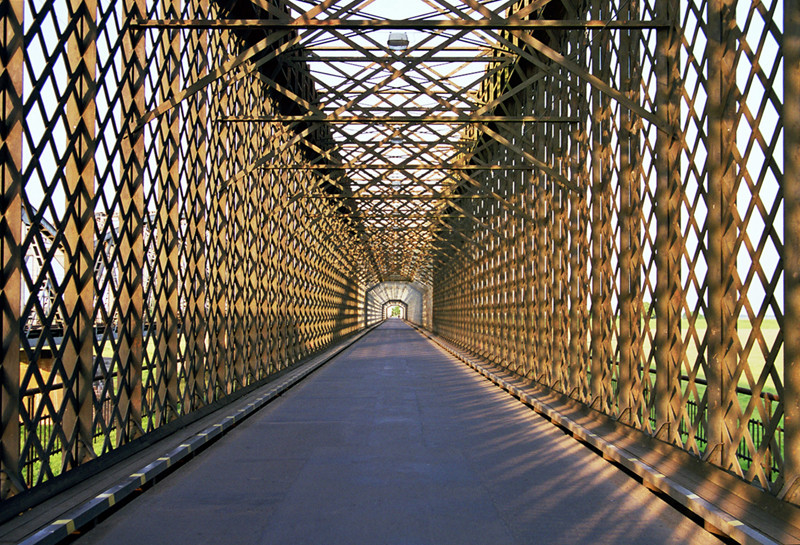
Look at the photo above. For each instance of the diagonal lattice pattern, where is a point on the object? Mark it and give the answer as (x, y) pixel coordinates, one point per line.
(199, 194)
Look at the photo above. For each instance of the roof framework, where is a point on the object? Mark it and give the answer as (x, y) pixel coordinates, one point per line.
(405, 127)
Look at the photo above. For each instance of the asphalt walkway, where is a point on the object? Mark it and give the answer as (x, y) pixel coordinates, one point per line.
(395, 442)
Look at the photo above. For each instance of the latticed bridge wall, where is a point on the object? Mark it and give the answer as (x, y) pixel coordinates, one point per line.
(146, 273)
(645, 276)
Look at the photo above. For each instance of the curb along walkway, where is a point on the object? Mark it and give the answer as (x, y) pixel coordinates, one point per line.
(395, 442)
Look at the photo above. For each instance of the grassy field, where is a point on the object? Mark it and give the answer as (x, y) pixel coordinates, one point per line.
(755, 357)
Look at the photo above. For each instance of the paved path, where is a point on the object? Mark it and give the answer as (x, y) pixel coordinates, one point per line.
(395, 442)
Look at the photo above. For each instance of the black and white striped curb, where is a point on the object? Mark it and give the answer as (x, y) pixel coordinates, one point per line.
(59, 530)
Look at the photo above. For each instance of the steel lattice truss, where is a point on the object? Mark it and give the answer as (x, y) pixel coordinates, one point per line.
(602, 196)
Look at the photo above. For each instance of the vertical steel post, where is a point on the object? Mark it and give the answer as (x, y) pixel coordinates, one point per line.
(131, 224)
(166, 273)
(79, 229)
(523, 278)
(258, 214)
(529, 260)
(281, 256)
(668, 295)
(791, 248)
(600, 219)
(523, 253)
(274, 272)
(575, 354)
(253, 260)
(194, 317)
(237, 147)
(528, 255)
(557, 263)
(564, 226)
(290, 330)
(577, 230)
(265, 264)
(542, 199)
(630, 228)
(12, 51)
(269, 268)
(721, 261)
(220, 229)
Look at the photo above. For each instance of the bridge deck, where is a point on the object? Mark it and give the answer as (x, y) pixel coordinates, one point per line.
(396, 442)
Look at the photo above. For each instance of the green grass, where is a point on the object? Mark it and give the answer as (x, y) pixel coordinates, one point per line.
(34, 467)
(769, 329)
(756, 361)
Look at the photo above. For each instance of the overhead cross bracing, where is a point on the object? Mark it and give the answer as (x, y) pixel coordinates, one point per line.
(398, 130)
(398, 118)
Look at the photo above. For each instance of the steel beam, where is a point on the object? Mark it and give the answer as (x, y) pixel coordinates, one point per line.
(630, 232)
(391, 119)
(409, 24)
(78, 356)
(11, 137)
(132, 214)
(166, 273)
(367, 166)
(425, 197)
(721, 259)
(668, 245)
(600, 202)
(791, 258)
(323, 59)
(194, 317)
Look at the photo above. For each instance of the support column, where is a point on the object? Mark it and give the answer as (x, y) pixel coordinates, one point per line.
(79, 229)
(237, 192)
(577, 245)
(12, 46)
(601, 371)
(131, 295)
(630, 295)
(721, 261)
(195, 316)
(219, 226)
(271, 274)
(169, 181)
(563, 163)
(557, 266)
(261, 233)
(791, 258)
(542, 296)
(668, 291)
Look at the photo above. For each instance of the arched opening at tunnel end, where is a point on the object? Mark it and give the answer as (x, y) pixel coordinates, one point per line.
(395, 309)
(413, 298)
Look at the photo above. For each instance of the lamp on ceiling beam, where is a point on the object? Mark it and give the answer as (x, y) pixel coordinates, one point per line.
(398, 41)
